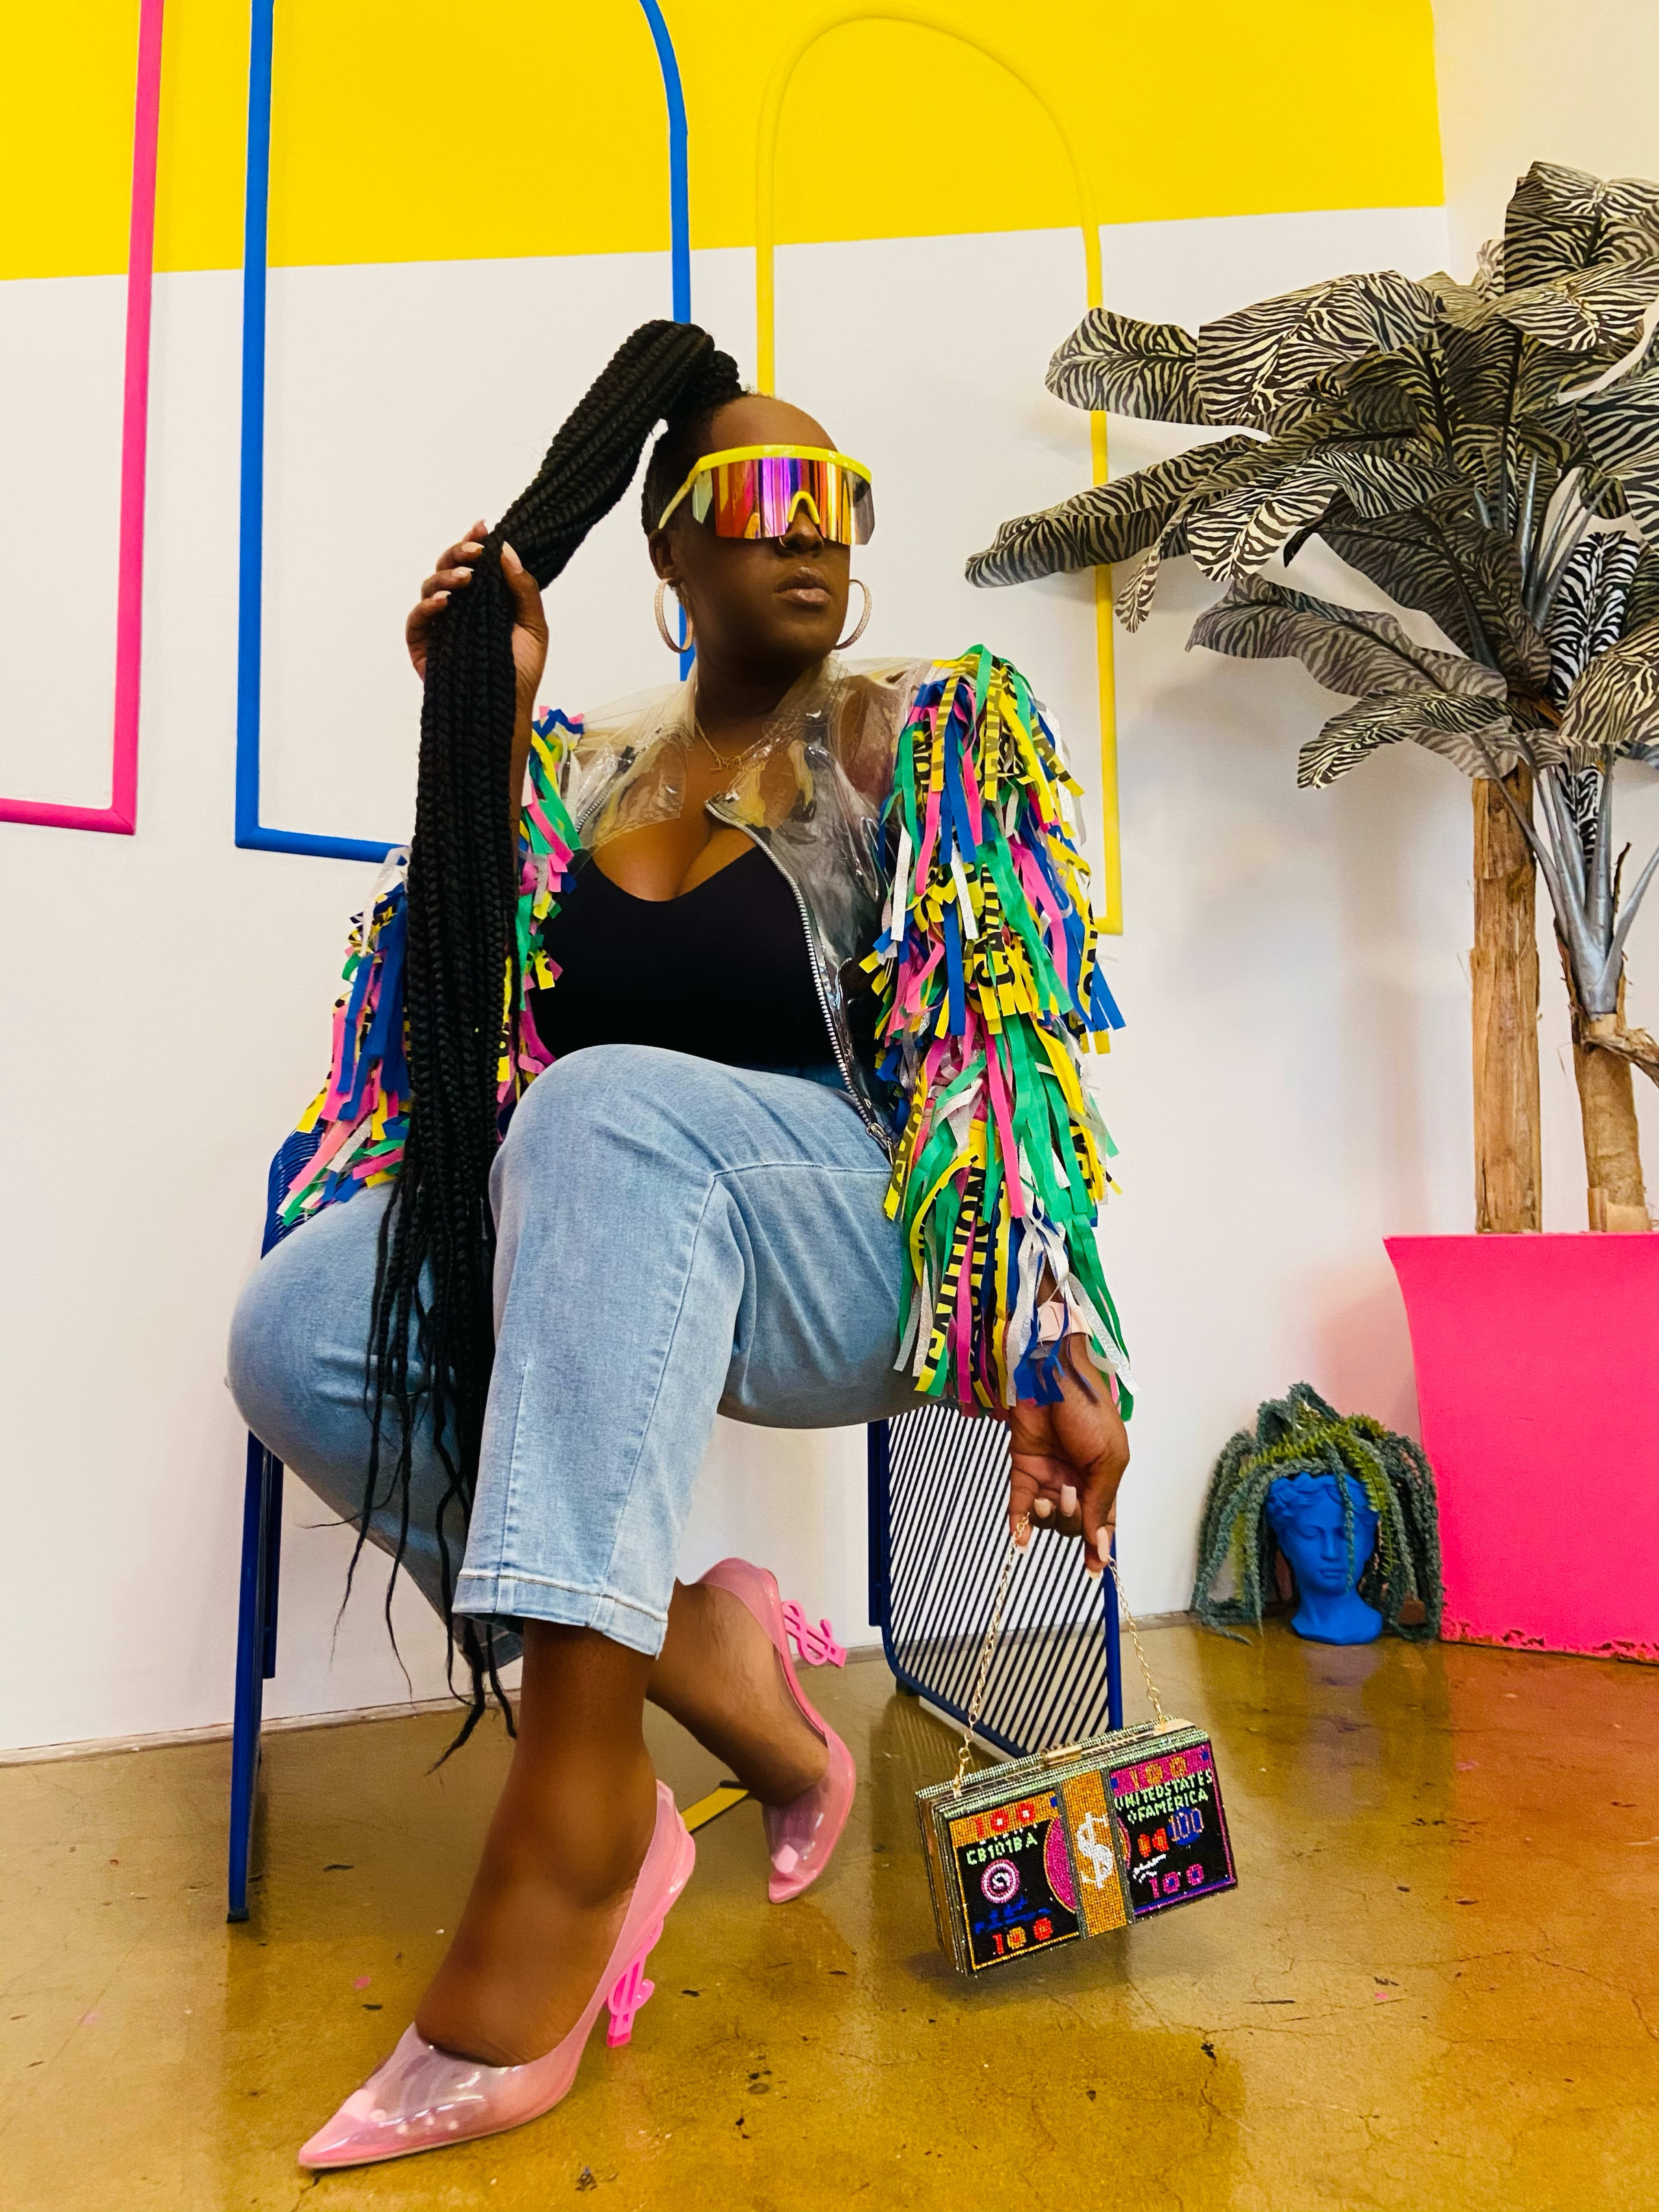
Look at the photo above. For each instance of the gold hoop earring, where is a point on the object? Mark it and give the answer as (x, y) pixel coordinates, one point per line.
(663, 630)
(857, 631)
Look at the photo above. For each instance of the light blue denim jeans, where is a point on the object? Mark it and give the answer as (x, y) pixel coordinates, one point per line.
(674, 1239)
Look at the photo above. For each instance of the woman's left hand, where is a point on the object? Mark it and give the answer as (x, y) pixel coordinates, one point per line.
(1069, 1458)
(454, 573)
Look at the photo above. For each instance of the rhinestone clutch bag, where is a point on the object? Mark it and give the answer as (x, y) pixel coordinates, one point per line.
(1072, 1843)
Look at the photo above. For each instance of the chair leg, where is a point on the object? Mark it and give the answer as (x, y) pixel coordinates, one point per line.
(253, 1630)
(271, 1562)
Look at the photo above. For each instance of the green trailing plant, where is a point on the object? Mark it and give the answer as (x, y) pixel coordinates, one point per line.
(1300, 1434)
(1485, 454)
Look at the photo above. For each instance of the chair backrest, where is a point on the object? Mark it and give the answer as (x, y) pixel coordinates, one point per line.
(290, 1157)
(941, 1505)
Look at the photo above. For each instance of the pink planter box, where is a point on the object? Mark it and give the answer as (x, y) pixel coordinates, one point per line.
(1538, 1385)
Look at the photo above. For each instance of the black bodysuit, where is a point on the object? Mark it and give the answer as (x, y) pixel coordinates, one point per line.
(722, 971)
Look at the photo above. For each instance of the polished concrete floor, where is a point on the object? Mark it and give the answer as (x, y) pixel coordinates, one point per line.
(1436, 1985)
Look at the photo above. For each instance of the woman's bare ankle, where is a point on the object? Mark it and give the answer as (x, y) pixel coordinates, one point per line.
(722, 1679)
(546, 1907)
(565, 1849)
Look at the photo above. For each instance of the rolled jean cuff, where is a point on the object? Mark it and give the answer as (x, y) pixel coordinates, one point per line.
(510, 1596)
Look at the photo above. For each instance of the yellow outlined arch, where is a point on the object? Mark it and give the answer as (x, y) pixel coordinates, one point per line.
(929, 19)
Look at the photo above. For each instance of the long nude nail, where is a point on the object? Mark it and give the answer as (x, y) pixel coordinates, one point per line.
(1067, 1498)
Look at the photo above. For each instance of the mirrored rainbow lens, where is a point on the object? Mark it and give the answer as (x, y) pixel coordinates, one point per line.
(760, 497)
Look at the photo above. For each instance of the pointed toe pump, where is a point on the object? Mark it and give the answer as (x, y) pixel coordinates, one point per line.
(422, 2097)
(801, 1835)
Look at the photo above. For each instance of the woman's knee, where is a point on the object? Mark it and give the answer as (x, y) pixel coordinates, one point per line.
(635, 1097)
(259, 1365)
(584, 1089)
(297, 1357)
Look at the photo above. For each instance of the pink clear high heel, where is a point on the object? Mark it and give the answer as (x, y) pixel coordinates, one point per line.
(801, 1835)
(422, 2097)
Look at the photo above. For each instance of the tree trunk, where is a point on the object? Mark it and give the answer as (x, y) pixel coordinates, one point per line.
(1607, 1106)
(1504, 970)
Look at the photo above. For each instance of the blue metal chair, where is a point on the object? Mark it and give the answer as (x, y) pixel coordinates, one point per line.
(938, 1485)
(262, 1557)
(938, 1488)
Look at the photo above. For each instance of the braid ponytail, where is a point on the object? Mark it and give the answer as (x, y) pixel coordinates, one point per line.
(432, 1279)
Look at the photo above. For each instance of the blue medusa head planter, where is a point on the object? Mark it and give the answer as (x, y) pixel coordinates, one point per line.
(1328, 1549)
(1347, 1502)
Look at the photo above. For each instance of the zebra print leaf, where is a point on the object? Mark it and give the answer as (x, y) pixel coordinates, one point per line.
(1454, 300)
(1441, 721)
(1587, 614)
(1110, 521)
(1440, 559)
(1594, 314)
(1642, 604)
(1134, 602)
(1561, 219)
(1383, 476)
(1640, 484)
(1398, 395)
(1622, 422)
(1615, 705)
(1233, 536)
(1500, 391)
(1344, 648)
(1619, 427)
(1477, 402)
(1252, 364)
(1128, 368)
(1603, 495)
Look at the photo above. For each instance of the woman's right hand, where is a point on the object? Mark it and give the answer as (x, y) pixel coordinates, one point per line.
(453, 573)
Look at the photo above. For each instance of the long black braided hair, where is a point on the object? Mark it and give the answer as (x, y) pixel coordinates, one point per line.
(432, 1280)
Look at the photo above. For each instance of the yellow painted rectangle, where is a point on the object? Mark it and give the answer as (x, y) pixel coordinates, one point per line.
(411, 130)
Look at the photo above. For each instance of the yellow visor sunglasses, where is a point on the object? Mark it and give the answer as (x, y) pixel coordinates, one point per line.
(756, 491)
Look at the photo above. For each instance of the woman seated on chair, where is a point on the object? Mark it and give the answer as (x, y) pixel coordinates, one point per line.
(719, 1054)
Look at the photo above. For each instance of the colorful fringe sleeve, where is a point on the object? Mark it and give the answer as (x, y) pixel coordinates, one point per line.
(988, 978)
(359, 1117)
(547, 841)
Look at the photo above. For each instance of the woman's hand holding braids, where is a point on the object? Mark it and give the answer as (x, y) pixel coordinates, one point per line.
(453, 573)
(1069, 1458)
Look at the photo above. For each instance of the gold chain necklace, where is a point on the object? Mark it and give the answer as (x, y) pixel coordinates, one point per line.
(733, 768)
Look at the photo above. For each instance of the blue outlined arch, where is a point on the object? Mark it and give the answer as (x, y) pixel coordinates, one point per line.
(250, 833)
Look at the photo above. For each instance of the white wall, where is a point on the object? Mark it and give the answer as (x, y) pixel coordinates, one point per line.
(1522, 81)
(1293, 1085)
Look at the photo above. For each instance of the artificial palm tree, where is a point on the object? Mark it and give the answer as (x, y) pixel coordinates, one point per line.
(1488, 454)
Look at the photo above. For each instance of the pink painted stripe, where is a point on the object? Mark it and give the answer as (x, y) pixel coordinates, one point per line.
(121, 815)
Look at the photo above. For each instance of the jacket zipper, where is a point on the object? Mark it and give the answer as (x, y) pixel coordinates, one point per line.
(815, 961)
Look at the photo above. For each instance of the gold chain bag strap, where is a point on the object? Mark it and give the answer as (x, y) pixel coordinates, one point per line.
(1074, 1842)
